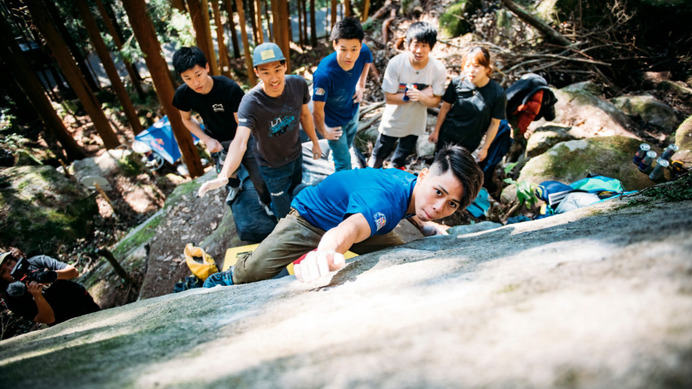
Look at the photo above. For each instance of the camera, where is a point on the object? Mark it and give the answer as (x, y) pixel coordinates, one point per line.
(23, 275)
(22, 272)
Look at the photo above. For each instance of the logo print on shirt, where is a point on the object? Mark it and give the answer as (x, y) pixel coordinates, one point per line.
(217, 107)
(286, 121)
(319, 92)
(380, 220)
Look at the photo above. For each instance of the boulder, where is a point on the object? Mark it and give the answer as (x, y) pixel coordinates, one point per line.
(42, 209)
(683, 139)
(594, 298)
(546, 137)
(454, 21)
(649, 109)
(573, 160)
(581, 107)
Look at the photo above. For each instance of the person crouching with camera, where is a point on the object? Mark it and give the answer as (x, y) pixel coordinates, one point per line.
(38, 288)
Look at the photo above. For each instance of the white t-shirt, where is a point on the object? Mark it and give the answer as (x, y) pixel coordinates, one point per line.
(410, 118)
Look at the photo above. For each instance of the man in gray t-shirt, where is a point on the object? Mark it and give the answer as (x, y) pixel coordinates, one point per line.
(413, 82)
(271, 112)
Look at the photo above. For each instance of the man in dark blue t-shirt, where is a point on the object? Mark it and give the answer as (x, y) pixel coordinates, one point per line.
(338, 87)
(356, 210)
(216, 100)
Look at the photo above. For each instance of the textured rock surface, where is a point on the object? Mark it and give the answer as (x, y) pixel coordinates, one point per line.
(595, 298)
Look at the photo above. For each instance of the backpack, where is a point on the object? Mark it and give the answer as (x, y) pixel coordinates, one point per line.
(529, 99)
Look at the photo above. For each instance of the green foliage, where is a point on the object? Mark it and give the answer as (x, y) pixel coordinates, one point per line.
(526, 192)
(6, 121)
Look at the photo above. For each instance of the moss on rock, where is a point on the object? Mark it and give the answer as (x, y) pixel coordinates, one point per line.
(453, 22)
(41, 209)
(573, 160)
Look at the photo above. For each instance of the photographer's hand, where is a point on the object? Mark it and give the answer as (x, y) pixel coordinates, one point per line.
(45, 312)
(35, 289)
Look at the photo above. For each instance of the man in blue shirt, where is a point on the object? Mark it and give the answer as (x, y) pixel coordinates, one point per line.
(338, 87)
(356, 210)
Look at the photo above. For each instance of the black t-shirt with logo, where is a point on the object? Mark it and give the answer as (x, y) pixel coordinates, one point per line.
(216, 108)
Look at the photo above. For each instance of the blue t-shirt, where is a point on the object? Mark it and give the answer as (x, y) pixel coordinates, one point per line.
(335, 87)
(381, 195)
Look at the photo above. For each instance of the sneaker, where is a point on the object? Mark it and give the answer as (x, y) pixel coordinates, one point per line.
(233, 193)
(223, 278)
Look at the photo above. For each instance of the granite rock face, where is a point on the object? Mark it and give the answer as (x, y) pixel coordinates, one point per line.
(597, 297)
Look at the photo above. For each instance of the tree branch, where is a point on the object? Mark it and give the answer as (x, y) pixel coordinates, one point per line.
(536, 23)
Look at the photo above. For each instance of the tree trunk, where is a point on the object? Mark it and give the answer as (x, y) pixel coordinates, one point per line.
(201, 24)
(231, 25)
(301, 42)
(74, 49)
(115, 34)
(536, 23)
(71, 72)
(213, 64)
(366, 9)
(224, 66)
(347, 8)
(270, 22)
(246, 45)
(258, 15)
(334, 4)
(304, 30)
(109, 66)
(285, 22)
(276, 24)
(31, 87)
(158, 68)
(313, 28)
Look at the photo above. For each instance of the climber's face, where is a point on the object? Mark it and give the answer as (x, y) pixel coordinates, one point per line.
(436, 195)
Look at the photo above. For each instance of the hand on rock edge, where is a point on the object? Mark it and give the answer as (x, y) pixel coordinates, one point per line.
(318, 264)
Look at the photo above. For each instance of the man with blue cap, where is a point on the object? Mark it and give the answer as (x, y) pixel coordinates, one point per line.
(271, 112)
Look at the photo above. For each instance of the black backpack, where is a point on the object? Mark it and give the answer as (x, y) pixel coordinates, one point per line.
(521, 91)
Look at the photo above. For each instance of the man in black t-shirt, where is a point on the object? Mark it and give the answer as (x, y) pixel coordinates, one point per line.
(216, 100)
(60, 301)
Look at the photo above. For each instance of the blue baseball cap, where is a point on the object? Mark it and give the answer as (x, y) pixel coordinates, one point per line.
(266, 53)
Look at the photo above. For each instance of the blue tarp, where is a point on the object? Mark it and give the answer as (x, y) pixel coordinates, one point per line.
(159, 137)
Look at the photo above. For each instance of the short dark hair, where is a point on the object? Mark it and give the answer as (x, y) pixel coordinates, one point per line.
(422, 32)
(465, 169)
(347, 28)
(187, 57)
